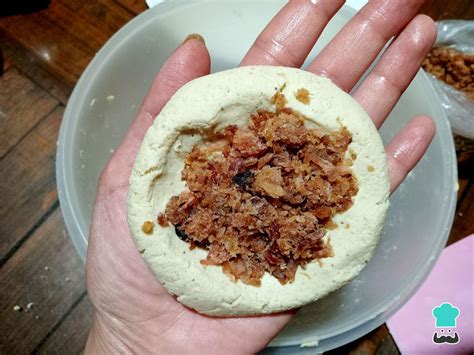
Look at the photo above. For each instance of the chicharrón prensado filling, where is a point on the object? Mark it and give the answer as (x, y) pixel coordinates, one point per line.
(260, 198)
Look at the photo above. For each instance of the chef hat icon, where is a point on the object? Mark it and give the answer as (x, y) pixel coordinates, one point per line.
(445, 315)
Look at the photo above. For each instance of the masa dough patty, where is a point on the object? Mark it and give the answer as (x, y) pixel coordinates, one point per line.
(211, 103)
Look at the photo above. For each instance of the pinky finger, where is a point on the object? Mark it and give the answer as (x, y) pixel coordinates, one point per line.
(408, 147)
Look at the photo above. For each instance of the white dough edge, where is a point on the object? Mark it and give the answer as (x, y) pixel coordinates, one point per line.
(211, 103)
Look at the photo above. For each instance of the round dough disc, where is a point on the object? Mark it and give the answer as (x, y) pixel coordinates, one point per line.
(209, 104)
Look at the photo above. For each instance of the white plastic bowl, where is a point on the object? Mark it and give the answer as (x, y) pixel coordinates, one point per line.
(110, 91)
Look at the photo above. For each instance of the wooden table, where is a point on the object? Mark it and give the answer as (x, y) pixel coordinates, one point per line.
(44, 53)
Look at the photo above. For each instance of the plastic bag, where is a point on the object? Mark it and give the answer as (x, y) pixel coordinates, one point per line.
(458, 35)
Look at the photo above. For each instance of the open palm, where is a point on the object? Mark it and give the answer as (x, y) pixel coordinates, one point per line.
(134, 313)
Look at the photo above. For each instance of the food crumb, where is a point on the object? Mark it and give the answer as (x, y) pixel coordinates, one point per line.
(110, 98)
(279, 99)
(68, 279)
(162, 220)
(347, 225)
(370, 168)
(17, 308)
(302, 95)
(310, 344)
(46, 268)
(148, 227)
(331, 225)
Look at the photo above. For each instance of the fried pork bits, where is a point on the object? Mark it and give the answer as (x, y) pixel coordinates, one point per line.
(260, 198)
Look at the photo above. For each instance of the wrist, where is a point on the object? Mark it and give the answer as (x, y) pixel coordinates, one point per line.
(103, 340)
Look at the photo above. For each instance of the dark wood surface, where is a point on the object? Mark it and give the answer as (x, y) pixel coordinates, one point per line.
(43, 55)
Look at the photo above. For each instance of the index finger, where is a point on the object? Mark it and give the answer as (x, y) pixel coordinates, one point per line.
(292, 33)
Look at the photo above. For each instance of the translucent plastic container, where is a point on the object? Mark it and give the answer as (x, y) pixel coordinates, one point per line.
(110, 92)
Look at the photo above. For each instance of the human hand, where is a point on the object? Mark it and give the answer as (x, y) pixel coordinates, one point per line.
(134, 313)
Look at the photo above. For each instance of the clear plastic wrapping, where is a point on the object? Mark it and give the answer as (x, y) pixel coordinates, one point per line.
(459, 108)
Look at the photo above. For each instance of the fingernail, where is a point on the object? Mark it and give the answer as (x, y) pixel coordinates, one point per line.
(194, 36)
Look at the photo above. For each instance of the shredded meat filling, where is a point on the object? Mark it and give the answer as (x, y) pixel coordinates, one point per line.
(452, 67)
(260, 198)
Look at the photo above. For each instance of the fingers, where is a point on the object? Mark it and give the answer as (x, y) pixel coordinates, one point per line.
(189, 61)
(408, 147)
(292, 33)
(355, 47)
(396, 69)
